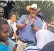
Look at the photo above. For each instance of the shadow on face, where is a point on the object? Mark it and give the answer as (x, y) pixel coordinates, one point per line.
(3, 29)
(33, 11)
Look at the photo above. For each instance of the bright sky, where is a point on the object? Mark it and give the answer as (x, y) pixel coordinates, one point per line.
(48, 0)
(53, 1)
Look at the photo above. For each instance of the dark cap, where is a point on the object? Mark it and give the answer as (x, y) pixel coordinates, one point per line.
(41, 14)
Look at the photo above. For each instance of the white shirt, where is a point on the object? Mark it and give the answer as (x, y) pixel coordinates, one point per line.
(43, 37)
(13, 25)
(44, 25)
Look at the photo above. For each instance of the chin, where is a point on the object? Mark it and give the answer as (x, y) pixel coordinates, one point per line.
(33, 15)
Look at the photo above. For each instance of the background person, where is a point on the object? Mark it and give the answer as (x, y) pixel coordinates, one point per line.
(12, 23)
(41, 16)
(4, 35)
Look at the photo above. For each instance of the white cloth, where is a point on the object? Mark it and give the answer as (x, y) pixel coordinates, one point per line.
(13, 25)
(43, 37)
(32, 48)
(44, 25)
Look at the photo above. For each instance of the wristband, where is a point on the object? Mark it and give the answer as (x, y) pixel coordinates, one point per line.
(32, 25)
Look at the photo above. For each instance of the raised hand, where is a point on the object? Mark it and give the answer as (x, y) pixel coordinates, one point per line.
(32, 22)
(25, 21)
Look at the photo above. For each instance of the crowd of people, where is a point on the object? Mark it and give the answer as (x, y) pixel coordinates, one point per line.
(29, 33)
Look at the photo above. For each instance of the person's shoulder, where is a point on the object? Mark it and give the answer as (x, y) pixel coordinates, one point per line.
(38, 18)
(24, 16)
(8, 21)
(4, 47)
(3, 18)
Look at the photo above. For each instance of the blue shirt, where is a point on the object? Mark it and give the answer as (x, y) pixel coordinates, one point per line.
(11, 44)
(27, 33)
(3, 47)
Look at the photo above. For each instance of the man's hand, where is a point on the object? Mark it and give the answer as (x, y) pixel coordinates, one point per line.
(32, 22)
(22, 25)
(26, 21)
(34, 27)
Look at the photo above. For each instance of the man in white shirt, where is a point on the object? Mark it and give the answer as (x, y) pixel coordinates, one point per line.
(43, 37)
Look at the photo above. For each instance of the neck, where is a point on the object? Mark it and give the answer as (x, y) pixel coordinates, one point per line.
(31, 17)
(11, 20)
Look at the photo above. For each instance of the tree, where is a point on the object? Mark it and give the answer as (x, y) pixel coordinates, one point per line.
(46, 8)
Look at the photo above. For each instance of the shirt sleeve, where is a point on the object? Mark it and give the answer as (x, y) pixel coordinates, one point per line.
(21, 20)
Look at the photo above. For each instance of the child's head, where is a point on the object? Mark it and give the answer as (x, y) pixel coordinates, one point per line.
(12, 16)
(3, 30)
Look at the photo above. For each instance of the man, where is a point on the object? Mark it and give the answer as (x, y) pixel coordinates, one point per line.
(44, 37)
(11, 43)
(29, 25)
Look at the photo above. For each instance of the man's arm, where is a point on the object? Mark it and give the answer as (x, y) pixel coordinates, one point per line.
(36, 28)
(36, 25)
(23, 25)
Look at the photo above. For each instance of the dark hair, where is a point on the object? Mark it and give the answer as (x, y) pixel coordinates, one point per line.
(40, 15)
(2, 22)
(48, 47)
(10, 15)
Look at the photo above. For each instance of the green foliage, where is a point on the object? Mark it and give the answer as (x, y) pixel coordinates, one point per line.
(47, 7)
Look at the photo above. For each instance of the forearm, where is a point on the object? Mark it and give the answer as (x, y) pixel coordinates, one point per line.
(21, 26)
(35, 28)
(14, 35)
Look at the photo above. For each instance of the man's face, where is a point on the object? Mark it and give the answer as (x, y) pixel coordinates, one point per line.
(4, 34)
(33, 12)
